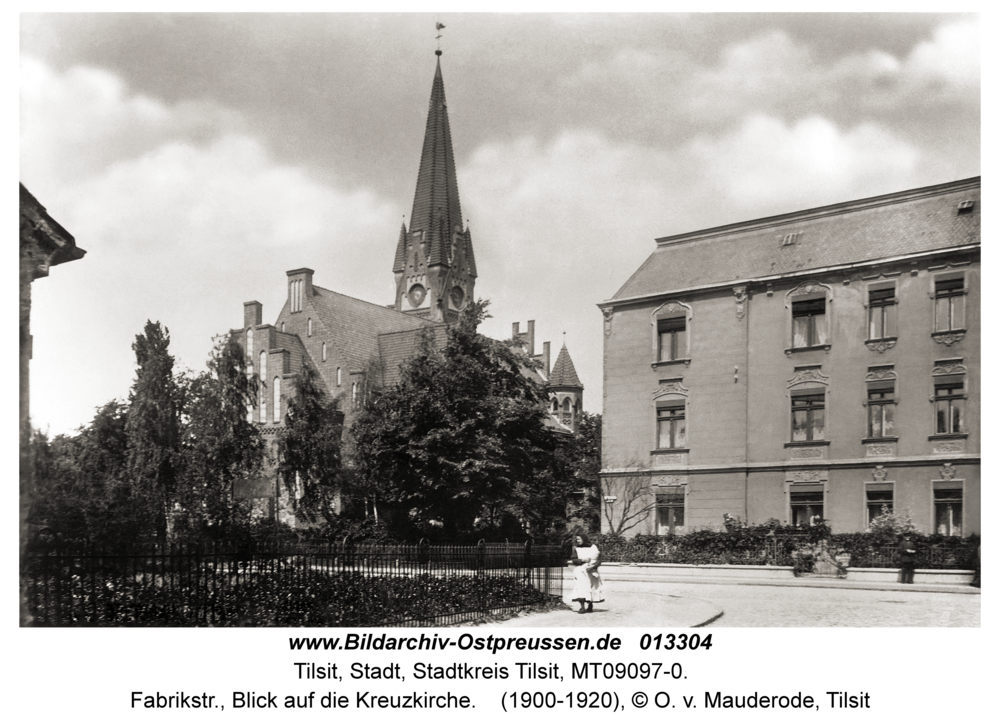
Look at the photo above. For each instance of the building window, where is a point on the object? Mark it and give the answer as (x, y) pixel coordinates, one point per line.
(881, 410)
(671, 427)
(806, 507)
(669, 512)
(808, 417)
(309, 327)
(878, 502)
(277, 400)
(263, 402)
(672, 338)
(949, 304)
(263, 365)
(253, 387)
(555, 405)
(249, 342)
(949, 402)
(338, 376)
(295, 296)
(881, 314)
(948, 511)
(809, 323)
(324, 350)
(354, 395)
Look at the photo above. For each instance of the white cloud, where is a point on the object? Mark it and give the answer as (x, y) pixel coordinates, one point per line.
(951, 56)
(178, 228)
(767, 162)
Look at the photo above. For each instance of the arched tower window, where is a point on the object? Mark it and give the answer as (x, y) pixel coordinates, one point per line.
(566, 404)
(277, 400)
(263, 365)
(249, 342)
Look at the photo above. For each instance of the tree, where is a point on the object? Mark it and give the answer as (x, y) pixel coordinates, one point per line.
(627, 501)
(585, 509)
(153, 429)
(461, 437)
(309, 460)
(219, 444)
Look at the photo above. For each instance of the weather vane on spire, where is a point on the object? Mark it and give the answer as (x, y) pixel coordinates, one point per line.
(439, 27)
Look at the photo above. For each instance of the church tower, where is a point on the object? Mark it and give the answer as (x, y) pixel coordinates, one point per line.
(565, 391)
(434, 267)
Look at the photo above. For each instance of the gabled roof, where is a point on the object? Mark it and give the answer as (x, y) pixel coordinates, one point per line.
(395, 349)
(37, 226)
(866, 230)
(563, 373)
(355, 324)
(436, 196)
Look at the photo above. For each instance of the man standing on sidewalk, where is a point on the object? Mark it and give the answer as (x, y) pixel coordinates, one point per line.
(907, 559)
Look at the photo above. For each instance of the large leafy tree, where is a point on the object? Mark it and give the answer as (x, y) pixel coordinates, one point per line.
(461, 438)
(219, 444)
(309, 449)
(153, 429)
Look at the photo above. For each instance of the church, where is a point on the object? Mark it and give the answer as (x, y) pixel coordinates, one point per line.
(355, 345)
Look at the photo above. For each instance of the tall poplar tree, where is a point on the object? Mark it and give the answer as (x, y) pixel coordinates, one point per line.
(153, 429)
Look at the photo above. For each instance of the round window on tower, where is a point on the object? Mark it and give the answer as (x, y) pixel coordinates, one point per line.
(416, 295)
(457, 297)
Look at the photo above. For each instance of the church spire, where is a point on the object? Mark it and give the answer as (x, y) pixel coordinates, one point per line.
(434, 266)
(436, 198)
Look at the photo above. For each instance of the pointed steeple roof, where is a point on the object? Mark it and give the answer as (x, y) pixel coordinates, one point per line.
(436, 198)
(399, 264)
(563, 372)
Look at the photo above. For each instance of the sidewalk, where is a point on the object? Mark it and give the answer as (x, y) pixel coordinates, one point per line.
(647, 574)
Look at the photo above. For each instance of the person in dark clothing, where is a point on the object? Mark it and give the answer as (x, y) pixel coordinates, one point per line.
(907, 559)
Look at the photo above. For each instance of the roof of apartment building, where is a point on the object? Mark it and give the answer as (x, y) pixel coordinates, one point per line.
(860, 231)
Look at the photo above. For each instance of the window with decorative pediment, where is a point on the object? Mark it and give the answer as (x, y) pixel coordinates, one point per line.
(949, 397)
(878, 500)
(809, 306)
(671, 402)
(805, 504)
(808, 400)
(672, 333)
(949, 499)
(949, 303)
(882, 307)
(669, 510)
(881, 402)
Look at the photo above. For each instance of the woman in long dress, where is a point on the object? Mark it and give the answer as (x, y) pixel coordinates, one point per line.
(588, 587)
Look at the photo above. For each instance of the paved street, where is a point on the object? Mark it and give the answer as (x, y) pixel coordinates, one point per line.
(691, 604)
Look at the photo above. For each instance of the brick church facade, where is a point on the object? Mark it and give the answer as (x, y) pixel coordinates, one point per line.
(355, 345)
(817, 364)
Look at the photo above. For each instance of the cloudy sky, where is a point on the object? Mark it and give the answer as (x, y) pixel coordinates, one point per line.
(198, 157)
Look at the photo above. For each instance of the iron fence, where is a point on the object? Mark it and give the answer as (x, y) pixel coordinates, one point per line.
(268, 582)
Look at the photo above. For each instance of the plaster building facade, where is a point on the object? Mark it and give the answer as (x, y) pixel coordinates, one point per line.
(43, 244)
(817, 364)
(354, 344)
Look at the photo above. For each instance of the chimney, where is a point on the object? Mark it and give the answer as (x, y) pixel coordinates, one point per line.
(546, 358)
(531, 338)
(300, 288)
(253, 314)
(515, 331)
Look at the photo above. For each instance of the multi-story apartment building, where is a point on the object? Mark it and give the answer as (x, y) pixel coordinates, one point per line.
(817, 364)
